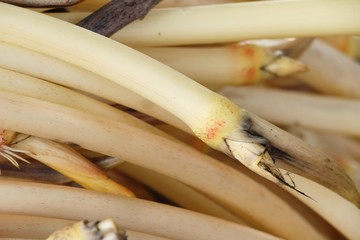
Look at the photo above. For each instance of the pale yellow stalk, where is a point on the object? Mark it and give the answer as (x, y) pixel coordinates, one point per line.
(226, 23)
(138, 215)
(33, 87)
(42, 66)
(332, 71)
(238, 64)
(239, 21)
(222, 183)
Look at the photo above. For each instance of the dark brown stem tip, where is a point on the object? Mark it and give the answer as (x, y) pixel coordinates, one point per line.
(115, 15)
(42, 3)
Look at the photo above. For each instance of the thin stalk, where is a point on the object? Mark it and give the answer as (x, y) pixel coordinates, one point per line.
(329, 114)
(213, 118)
(35, 227)
(233, 64)
(332, 71)
(132, 214)
(222, 183)
(239, 21)
(179, 193)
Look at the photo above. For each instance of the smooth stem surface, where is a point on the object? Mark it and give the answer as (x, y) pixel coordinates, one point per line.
(38, 65)
(235, 64)
(239, 21)
(132, 214)
(224, 184)
(104, 57)
(37, 88)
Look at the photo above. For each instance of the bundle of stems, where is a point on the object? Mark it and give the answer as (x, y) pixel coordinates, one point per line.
(324, 113)
(137, 215)
(214, 119)
(179, 193)
(222, 183)
(41, 66)
(342, 80)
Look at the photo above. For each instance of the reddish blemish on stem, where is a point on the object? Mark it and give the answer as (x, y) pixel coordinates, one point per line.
(212, 131)
(249, 51)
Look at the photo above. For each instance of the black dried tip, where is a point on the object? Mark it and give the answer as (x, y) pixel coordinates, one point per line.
(274, 171)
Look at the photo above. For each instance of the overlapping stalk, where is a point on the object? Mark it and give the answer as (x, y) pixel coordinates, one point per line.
(214, 119)
(162, 155)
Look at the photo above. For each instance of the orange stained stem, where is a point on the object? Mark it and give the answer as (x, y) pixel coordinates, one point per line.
(212, 131)
(251, 59)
